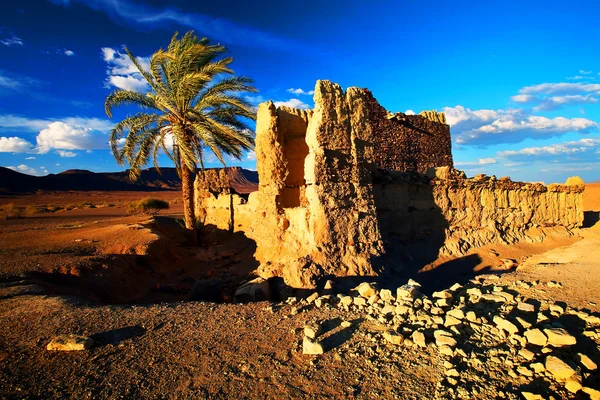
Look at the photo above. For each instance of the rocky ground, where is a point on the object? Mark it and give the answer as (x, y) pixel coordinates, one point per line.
(531, 332)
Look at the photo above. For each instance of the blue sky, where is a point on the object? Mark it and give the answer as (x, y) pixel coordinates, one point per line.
(519, 81)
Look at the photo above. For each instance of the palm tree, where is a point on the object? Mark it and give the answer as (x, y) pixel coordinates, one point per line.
(193, 103)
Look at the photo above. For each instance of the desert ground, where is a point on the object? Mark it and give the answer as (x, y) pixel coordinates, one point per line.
(160, 330)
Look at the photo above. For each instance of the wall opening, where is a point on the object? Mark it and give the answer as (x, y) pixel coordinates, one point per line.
(293, 124)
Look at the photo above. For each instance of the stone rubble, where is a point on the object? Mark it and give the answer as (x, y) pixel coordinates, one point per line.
(479, 329)
(70, 343)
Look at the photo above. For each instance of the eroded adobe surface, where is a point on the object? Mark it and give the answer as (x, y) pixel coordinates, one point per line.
(343, 186)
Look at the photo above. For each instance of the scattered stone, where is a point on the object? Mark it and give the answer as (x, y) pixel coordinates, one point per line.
(456, 287)
(419, 339)
(536, 337)
(526, 307)
(451, 321)
(554, 284)
(311, 331)
(538, 367)
(312, 297)
(386, 295)
(387, 310)
(456, 313)
(448, 341)
(506, 325)
(346, 324)
(366, 290)
(255, 290)
(444, 294)
(406, 292)
(474, 292)
(532, 396)
(522, 370)
(586, 362)
(494, 298)
(559, 337)
(402, 310)
(446, 350)
(525, 324)
(360, 301)
(311, 347)
(593, 393)
(328, 285)
(393, 337)
(452, 373)
(555, 308)
(70, 343)
(471, 316)
(527, 354)
(573, 385)
(559, 369)
(373, 299)
(346, 300)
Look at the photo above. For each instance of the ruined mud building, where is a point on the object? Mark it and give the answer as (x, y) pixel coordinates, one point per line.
(349, 189)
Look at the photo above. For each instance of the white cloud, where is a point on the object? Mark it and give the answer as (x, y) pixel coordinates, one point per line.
(564, 88)
(486, 127)
(293, 103)
(251, 156)
(25, 169)
(254, 99)
(14, 145)
(300, 91)
(68, 53)
(64, 136)
(122, 73)
(133, 83)
(13, 122)
(12, 41)
(523, 98)
(409, 112)
(554, 102)
(576, 147)
(480, 161)
(64, 153)
(552, 96)
(16, 82)
(57, 164)
(31, 158)
(585, 72)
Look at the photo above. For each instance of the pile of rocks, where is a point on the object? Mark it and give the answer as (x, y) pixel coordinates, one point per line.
(481, 328)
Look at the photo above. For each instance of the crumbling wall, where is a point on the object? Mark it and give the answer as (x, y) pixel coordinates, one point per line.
(469, 213)
(331, 199)
(404, 142)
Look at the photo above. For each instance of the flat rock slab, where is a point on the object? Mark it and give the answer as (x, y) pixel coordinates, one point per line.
(70, 343)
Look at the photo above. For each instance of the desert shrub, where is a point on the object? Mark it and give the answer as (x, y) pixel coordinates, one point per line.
(85, 204)
(52, 208)
(148, 205)
(11, 211)
(32, 209)
(70, 207)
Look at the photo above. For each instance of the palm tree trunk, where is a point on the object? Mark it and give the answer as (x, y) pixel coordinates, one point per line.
(187, 189)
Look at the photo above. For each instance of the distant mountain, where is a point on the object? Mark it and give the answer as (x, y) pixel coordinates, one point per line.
(12, 182)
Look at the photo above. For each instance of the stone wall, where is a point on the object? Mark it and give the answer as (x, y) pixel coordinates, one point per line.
(326, 205)
(408, 142)
(469, 213)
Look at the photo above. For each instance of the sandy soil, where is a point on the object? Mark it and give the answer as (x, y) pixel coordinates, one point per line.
(150, 343)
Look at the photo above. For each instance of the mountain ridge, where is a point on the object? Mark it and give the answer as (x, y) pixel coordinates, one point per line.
(13, 182)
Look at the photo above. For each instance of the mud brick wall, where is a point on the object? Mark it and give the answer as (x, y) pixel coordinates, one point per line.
(411, 143)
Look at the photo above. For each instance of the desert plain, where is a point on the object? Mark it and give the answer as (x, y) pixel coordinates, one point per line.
(130, 283)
